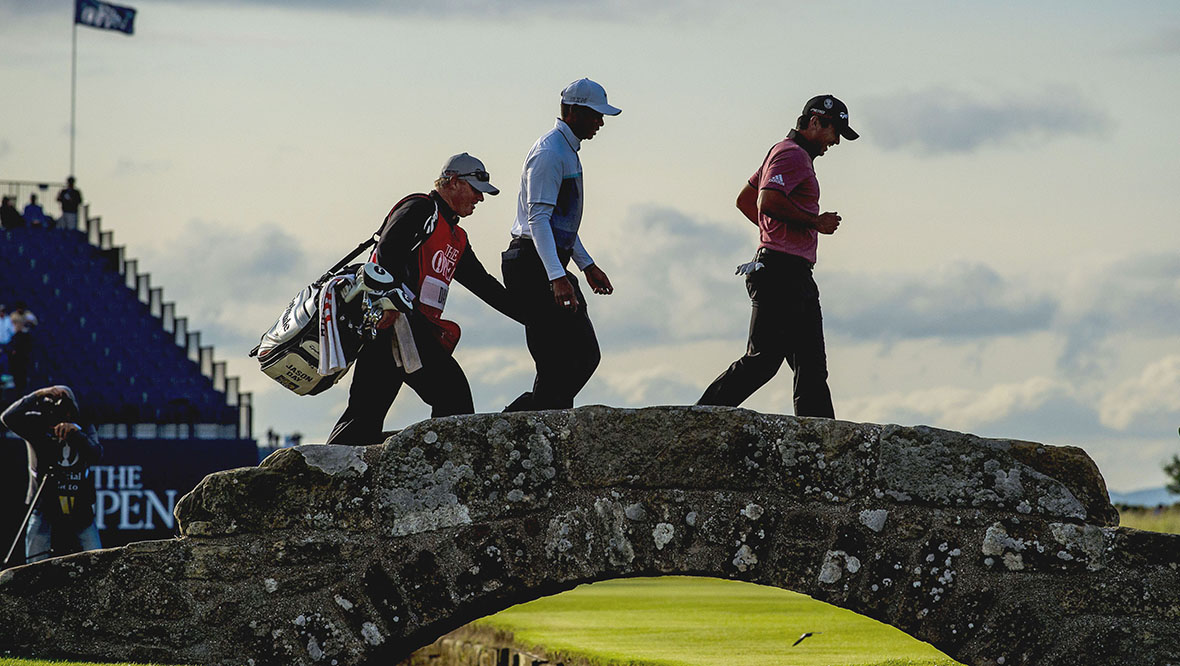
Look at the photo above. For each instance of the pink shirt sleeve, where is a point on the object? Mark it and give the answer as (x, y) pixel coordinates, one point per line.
(784, 171)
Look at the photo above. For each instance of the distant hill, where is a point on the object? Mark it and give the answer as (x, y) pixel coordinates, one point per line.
(1145, 497)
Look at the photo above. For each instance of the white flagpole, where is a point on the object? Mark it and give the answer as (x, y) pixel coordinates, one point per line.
(73, 86)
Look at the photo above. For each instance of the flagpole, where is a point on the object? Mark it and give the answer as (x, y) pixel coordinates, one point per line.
(73, 87)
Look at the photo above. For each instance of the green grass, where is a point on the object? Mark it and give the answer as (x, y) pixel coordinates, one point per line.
(680, 621)
(1166, 520)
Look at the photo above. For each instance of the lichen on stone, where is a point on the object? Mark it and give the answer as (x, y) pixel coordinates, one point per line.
(745, 558)
(835, 563)
(662, 534)
(333, 459)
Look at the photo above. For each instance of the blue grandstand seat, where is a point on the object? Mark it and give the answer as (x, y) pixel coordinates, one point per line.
(96, 336)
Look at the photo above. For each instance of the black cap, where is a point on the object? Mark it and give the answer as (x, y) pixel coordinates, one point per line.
(829, 107)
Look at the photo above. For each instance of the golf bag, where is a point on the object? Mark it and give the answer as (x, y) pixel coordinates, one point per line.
(316, 340)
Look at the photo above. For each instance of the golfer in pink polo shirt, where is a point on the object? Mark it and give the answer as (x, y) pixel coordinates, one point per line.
(782, 198)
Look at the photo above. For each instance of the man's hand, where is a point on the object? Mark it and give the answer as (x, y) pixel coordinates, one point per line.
(563, 294)
(52, 392)
(387, 318)
(827, 223)
(63, 430)
(598, 280)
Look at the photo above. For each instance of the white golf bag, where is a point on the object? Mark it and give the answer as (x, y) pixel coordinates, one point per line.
(316, 340)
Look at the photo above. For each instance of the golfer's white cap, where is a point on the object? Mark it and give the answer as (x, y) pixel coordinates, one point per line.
(585, 92)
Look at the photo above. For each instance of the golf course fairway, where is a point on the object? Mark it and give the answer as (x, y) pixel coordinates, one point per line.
(683, 621)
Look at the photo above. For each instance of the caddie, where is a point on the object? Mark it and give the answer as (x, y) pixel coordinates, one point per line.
(422, 245)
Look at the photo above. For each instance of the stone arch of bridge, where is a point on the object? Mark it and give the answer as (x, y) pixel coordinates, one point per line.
(994, 551)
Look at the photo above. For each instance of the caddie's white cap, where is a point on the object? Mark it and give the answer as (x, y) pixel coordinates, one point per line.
(585, 92)
(471, 170)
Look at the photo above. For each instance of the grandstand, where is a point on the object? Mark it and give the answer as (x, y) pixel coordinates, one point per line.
(166, 411)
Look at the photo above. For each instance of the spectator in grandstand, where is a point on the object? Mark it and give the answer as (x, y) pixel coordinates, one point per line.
(10, 217)
(35, 215)
(69, 198)
(21, 346)
(6, 331)
(61, 451)
(6, 328)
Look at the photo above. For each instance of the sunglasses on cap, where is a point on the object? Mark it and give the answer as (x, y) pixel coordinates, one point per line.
(481, 176)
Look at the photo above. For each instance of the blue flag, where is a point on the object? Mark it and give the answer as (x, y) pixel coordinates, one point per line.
(104, 16)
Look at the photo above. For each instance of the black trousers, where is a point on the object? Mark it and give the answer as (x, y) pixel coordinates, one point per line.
(376, 380)
(785, 324)
(562, 343)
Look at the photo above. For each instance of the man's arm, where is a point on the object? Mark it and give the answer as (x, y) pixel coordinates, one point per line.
(777, 206)
(581, 257)
(542, 184)
(541, 231)
(470, 273)
(747, 203)
(25, 417)
(543, 175)
(595, 277)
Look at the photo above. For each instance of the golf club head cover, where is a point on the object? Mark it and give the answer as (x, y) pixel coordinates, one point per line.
(402, 298)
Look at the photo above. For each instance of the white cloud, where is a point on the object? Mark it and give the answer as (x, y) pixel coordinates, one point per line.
(959, 301)
(674, 279)
(964, 409)
(1151, 400)
(942, 121)
(1136, 294)
(231, 282)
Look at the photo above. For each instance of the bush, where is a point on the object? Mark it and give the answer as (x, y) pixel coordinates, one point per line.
(1172, 469)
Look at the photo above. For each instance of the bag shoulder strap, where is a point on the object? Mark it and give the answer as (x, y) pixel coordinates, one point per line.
(367, 243)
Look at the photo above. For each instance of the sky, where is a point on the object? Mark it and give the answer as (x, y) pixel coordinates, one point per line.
(1007, 264)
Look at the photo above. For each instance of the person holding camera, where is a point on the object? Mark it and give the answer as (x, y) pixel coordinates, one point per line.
(61, 487)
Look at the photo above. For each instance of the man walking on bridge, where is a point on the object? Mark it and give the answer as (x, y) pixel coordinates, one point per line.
(559, 335)
(782, 198)
(422, 245)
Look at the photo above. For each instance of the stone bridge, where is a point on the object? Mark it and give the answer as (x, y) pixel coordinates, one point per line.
(997, 552)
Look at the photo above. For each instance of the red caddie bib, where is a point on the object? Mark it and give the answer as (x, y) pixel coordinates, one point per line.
(437, 258)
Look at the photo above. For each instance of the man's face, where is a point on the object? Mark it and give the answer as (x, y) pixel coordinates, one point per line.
(584, 121)
(828, 136)
(824, 137)
(464, 197)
